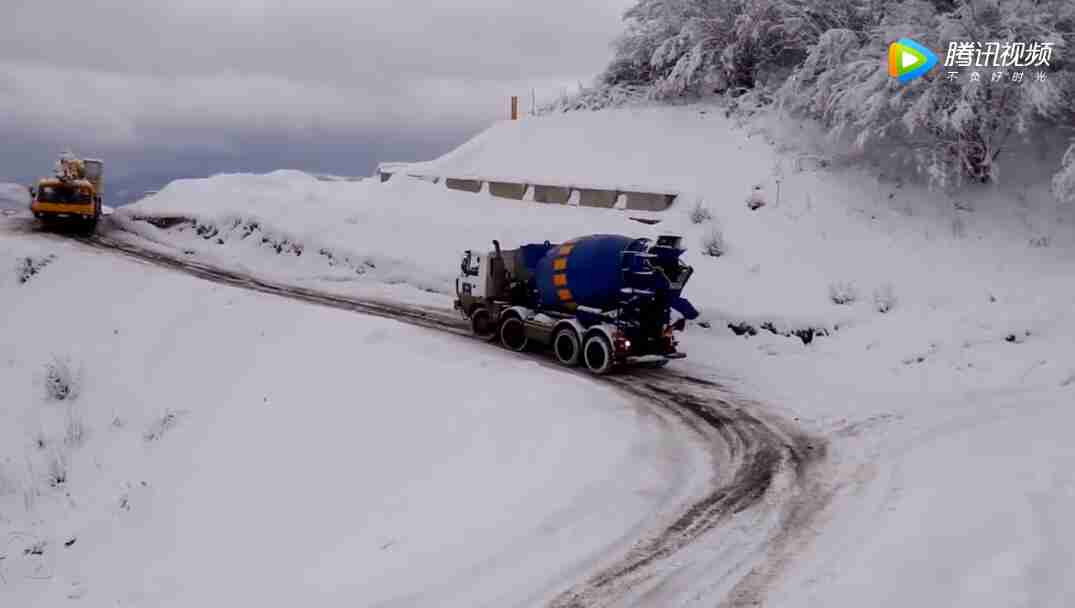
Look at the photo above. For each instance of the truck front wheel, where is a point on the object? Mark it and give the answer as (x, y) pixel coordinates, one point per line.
(513, 334)
(481, 324)
(597, 352)
(566, 346)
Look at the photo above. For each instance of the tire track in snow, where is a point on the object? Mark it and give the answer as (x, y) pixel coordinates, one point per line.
(761, 465)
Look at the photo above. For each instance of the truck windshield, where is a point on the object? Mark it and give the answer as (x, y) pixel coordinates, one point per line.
(54, 194)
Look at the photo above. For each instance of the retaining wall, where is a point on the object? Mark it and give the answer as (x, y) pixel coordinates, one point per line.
(555, 194)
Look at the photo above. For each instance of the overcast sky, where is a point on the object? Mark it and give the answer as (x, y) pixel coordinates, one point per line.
(193, 86)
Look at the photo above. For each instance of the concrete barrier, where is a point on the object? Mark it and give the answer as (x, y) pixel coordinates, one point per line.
(592, 197)
(507, 190)
(649, 201)
(552, 194)
(557, 195)
(425, 178)
(467, 185)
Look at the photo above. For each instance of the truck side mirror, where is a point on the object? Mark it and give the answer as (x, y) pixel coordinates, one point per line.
(464, 266)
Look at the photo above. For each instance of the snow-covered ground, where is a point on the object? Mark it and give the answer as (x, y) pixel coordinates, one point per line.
(13, 196)
(165, 441)
(945, 381)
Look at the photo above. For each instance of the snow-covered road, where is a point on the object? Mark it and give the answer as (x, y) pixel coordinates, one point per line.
(716, 467)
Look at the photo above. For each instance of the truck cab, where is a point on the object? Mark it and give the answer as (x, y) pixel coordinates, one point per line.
(74, 194)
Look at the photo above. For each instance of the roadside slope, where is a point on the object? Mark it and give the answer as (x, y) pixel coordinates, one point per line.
(225, 444)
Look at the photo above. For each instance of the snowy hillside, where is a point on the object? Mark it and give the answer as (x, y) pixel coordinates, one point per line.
(942, 324)
(179, 443)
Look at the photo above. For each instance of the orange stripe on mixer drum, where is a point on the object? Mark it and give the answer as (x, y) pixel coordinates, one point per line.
(559, 280)
(559, 264)
(565, 295)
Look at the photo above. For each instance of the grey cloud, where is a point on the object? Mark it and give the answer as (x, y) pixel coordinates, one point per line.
(319, 41)
(170, 75)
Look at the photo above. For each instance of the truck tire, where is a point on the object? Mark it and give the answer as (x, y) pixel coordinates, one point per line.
(597, 353)
(513, 334)
(482, 325)
(566, 345)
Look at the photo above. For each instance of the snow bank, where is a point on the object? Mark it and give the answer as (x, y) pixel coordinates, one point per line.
(363, 235)
(171, 442)
(782, 260)
(13, 196)
(654, 149)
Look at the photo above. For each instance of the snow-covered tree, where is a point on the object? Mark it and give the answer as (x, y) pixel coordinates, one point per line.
(771, 37)
(826, 59)
(674, 46)
(955, 126)
(1064, 181)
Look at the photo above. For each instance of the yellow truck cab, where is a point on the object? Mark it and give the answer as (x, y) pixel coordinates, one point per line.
(73, 194)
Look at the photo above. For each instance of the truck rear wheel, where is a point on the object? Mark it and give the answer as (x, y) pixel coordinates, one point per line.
(597, 353)
(566, 346)
(513, 334)
(482, 325)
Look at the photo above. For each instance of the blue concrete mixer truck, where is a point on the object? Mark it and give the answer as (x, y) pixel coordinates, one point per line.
(601, 301)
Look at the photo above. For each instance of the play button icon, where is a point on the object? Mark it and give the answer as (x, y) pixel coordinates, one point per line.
(908, 60)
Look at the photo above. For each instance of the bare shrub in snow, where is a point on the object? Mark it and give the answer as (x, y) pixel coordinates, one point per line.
(74, 428)
(1064, 181)
(62, 383)
(598, 97)
(162, 425)
(843, 292)
(27, 267)
(959, 227)
(699, 213)
(756, 200)
(1039, 242)
(57, 469)
(36, 548)
(884, 298)
(9, 484)
(713, 242)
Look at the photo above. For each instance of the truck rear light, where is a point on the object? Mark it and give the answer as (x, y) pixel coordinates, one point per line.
(669, 341)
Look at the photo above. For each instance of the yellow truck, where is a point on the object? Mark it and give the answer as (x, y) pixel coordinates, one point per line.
(72, 194)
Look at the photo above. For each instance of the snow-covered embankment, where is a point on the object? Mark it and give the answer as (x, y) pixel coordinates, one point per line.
(170, 441)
